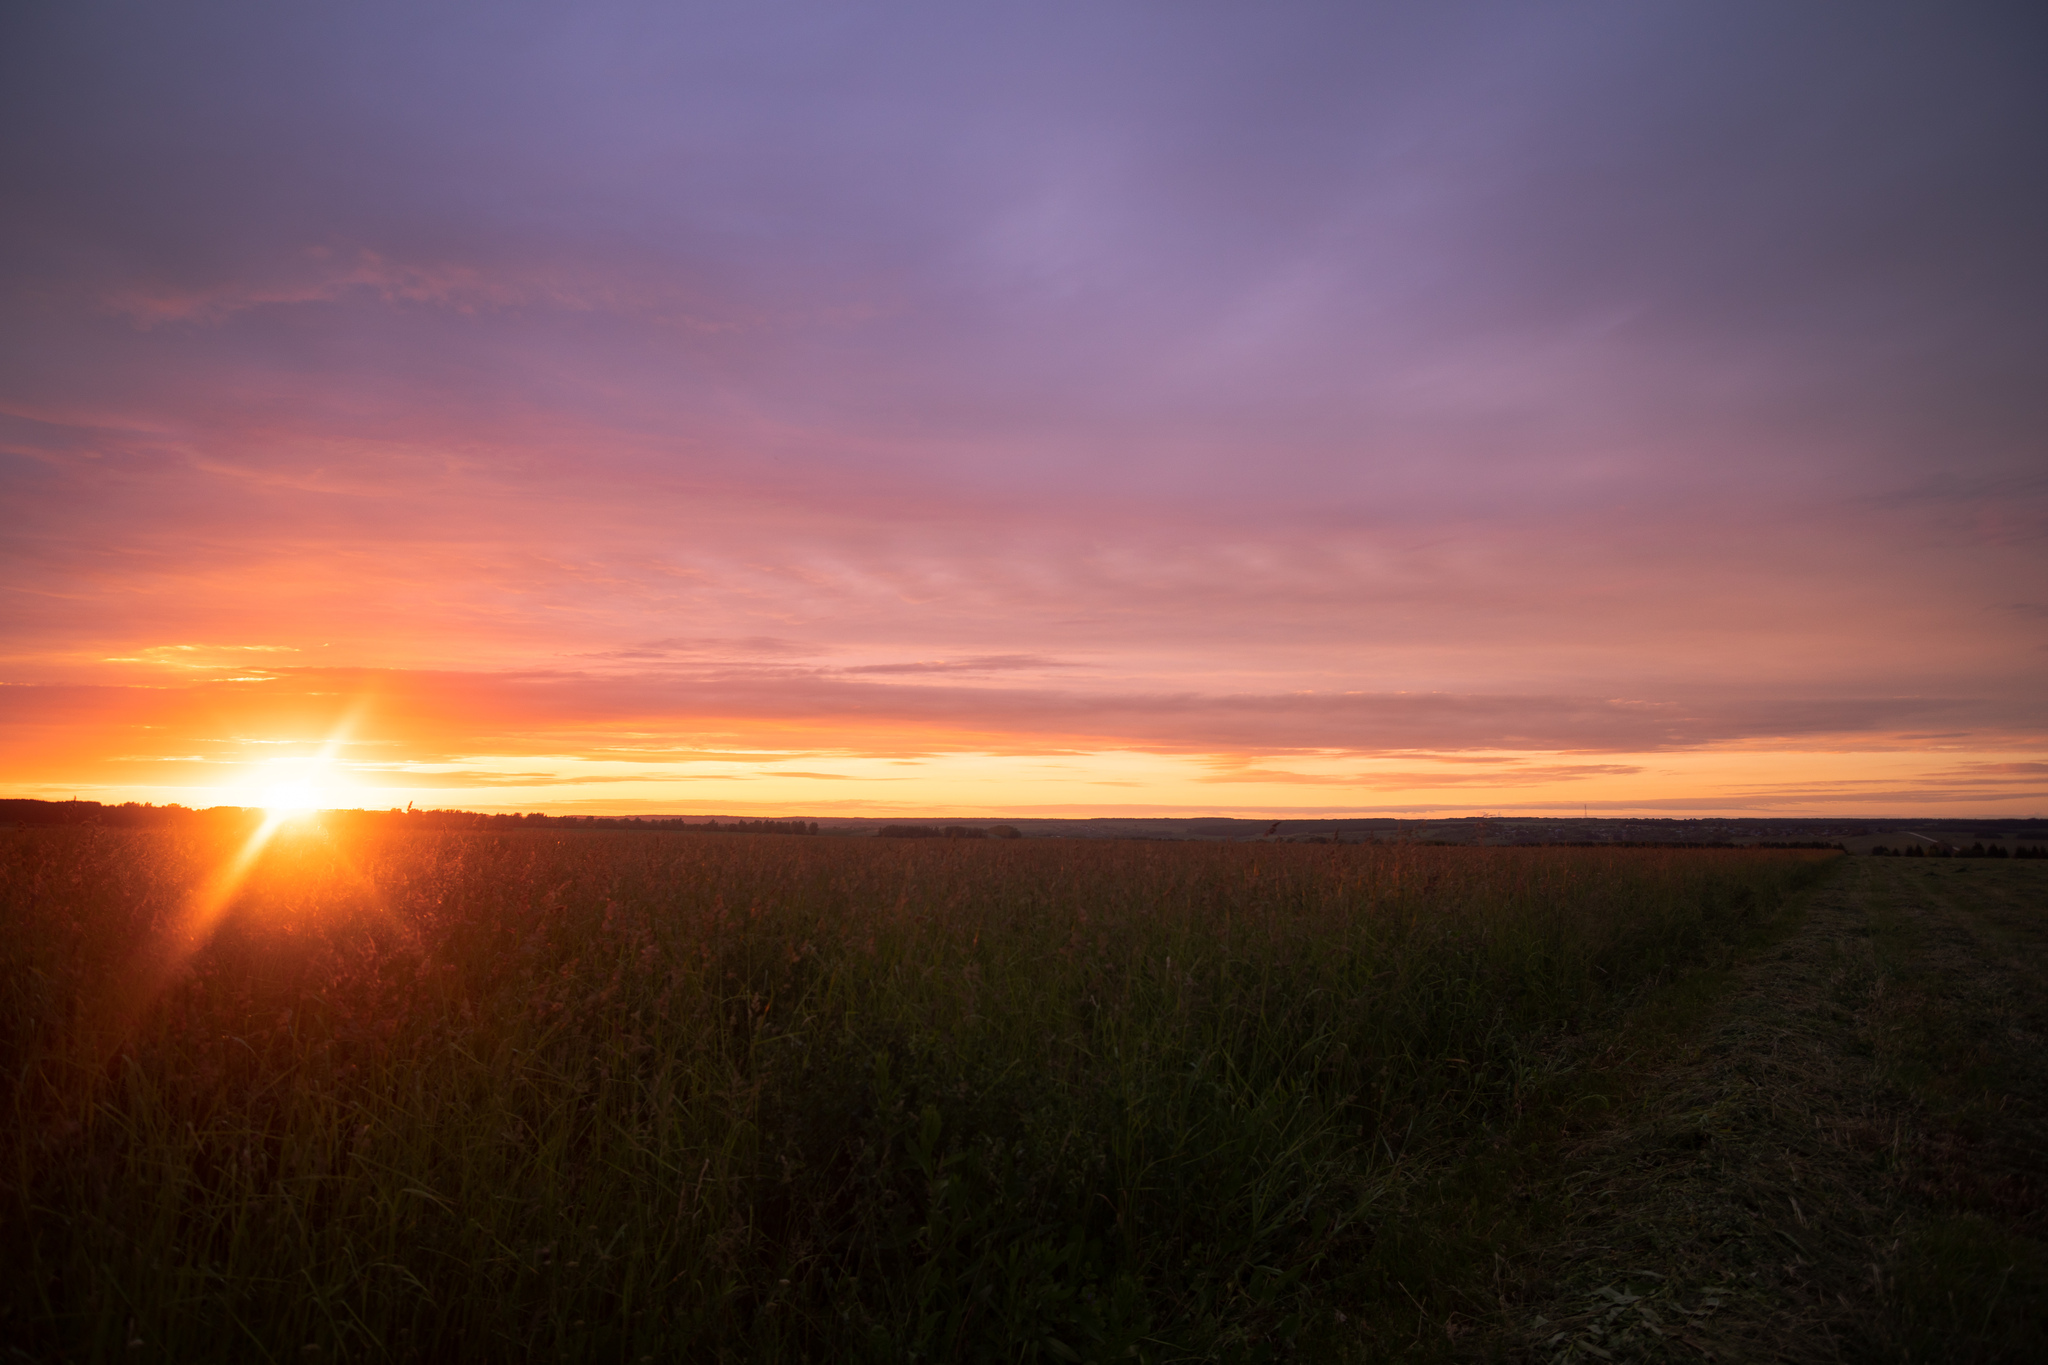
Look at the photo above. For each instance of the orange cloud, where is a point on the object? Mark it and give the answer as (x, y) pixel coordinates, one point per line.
(578, 735)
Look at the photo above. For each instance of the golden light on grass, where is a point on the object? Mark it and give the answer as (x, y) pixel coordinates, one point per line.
(299, 787)
(204, 907)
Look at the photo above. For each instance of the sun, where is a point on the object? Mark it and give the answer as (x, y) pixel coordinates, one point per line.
(289, 800)
(290, 786)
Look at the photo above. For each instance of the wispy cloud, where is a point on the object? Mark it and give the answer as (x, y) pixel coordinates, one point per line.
(1411, 780)
(1994, 774)
(200, 658)
(980, 663)
(323, 274)
(689, 647)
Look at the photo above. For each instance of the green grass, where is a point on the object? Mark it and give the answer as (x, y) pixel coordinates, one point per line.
(607, 1097)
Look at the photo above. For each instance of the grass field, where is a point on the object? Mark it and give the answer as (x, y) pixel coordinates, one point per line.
(1832, 1151)
(635, 1096)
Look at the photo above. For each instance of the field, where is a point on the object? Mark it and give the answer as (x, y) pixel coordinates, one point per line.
(593, 1096)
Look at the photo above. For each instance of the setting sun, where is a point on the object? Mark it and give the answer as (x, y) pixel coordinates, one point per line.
(291, 798)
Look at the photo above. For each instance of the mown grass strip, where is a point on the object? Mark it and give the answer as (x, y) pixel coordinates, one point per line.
(1838, 1160)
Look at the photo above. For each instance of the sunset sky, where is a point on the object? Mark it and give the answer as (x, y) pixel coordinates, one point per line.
(1053, 408)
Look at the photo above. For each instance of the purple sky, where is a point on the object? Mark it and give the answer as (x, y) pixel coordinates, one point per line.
(1058, 406)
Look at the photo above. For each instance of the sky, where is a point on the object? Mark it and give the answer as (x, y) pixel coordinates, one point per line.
(1058, 408)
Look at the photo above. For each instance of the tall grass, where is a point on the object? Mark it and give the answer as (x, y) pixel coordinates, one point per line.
(612, 1097)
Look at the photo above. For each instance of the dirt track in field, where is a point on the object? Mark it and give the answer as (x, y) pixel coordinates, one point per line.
(1843, 1161)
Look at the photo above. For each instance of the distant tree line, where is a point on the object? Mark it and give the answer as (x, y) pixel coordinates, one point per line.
(463, 819)
(1977, 850)
(1649, 843)
(127, 815)
(948, 832)
(142, 815)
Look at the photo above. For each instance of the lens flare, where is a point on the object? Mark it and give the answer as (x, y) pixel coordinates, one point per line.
(297, 789)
